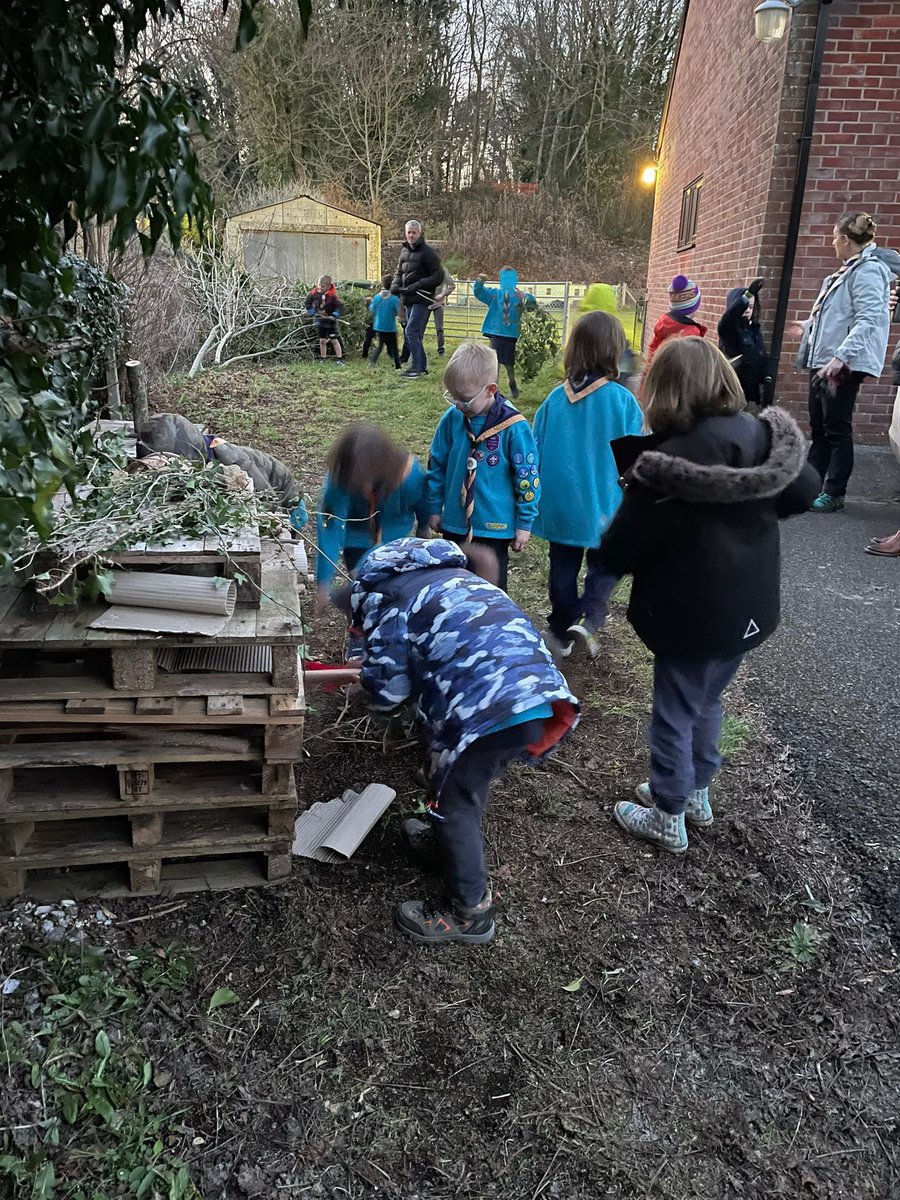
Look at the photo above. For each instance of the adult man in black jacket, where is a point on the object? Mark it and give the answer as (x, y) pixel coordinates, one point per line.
(419, 273)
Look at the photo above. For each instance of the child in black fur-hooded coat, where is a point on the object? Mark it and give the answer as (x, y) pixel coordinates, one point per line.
(698, 530)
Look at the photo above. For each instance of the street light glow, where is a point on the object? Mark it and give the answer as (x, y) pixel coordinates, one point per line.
(648, 175)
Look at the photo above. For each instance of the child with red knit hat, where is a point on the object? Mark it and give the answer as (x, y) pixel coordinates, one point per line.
(684, 300)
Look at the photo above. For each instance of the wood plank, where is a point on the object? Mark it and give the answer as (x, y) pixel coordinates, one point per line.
(286, 671)
(94, 707)
(146, 706)
(146, 829)
(22, 628)
(283, 743)
(63, 793)
(12, 882)
(136, 780)
(9, 596)
(143, 877)
(133, 669)
(15, 836)
(279, 866)
(70, 843)
(225, 706)
(89, 686)
(176, 878)
(113, 753)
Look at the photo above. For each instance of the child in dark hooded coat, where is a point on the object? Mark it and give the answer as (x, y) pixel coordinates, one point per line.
(741, 337)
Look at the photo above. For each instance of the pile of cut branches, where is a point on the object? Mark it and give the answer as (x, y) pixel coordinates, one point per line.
(175, 499)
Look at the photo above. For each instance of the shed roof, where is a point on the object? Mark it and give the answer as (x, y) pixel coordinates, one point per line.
(302, 196)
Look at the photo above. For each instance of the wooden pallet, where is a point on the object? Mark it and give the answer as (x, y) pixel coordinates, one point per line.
(151, 872)
(176, 876)
(132, 761)
(220, 709)
(131, 658)
(44, 797)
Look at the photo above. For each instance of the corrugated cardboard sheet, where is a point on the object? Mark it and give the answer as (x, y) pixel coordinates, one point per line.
(254, 658)
(332, 832)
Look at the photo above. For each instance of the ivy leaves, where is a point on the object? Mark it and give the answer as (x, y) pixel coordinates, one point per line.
(90, 131)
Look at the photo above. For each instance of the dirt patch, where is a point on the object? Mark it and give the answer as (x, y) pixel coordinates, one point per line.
(725, 1025)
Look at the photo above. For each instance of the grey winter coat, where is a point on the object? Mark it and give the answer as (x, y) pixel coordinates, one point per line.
(170, 433)
(853, 319)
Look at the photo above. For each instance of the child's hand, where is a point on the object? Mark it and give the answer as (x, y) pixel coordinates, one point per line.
(520, 541)
(435, 524)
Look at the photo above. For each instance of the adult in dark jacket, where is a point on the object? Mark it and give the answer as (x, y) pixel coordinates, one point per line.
(740, 337)
(419, 274)
(698, 530)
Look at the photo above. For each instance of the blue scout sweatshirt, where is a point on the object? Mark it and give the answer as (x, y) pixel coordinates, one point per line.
(507, 485)
(344, 519)
(573, 429)
(384, 310)
(503, 319)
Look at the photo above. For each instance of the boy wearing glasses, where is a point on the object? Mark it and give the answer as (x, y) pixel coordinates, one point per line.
(483, 482)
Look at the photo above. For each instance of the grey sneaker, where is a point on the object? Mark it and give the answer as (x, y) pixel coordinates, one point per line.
(653, 825)
(449, 921)
(584, 635)
(557, 647)
(698, 812)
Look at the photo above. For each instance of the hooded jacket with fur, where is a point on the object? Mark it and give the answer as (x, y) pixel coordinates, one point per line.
(698, 530)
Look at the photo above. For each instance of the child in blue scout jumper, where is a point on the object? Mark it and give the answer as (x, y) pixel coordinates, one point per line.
(573, 429)
(485, 692)
(698, 530)
(503, 320)
(374, 492)
(483, 482)
(384, 310)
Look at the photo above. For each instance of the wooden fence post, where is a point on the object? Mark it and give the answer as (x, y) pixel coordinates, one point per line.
(137, 386)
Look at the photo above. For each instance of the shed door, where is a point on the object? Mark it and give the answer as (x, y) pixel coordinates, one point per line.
(304, 256)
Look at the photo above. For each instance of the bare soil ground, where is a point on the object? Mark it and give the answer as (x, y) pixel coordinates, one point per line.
(723, 1025)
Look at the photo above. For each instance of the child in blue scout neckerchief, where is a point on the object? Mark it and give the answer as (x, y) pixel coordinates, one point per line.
(485, 693)
(573, 429)
(503, 321)
(483, 482)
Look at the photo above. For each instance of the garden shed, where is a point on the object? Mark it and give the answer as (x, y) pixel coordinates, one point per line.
(304, 238)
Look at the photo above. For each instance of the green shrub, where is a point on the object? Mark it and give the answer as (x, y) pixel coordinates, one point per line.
(538, 343)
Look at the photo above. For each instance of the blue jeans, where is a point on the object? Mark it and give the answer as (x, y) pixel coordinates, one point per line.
(416, 320)
(685, 726)
(565, 605)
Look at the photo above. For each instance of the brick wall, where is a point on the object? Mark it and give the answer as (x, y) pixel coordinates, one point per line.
(854, 164)
(735, 116)
(722, 123)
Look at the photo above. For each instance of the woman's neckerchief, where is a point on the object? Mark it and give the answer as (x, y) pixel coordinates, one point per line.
(501, 415)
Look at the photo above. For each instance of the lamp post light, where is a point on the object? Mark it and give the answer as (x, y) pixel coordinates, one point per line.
(771, 19)
(648, 175)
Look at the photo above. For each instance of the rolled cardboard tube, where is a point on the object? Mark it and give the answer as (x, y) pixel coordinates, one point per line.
(181, 593)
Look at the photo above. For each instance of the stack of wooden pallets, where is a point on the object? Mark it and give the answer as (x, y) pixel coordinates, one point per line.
(143, 763)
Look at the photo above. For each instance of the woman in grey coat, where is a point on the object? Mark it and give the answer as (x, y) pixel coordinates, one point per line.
(844, 341)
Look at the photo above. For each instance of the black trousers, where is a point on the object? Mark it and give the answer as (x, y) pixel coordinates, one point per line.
(500, 547)
(367, 340)
(457, 820)
(831, 424)
(386, 341)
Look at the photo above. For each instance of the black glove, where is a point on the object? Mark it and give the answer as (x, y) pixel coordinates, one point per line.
(755, 286)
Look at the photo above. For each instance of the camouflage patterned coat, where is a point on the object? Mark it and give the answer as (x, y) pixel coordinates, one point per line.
(455, 647)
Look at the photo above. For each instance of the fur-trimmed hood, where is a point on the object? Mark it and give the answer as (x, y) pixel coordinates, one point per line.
(677, 476)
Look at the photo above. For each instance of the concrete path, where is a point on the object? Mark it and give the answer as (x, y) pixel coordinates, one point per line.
(830, 682)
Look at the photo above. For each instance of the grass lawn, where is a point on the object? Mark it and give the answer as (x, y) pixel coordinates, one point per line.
(717, 1026)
